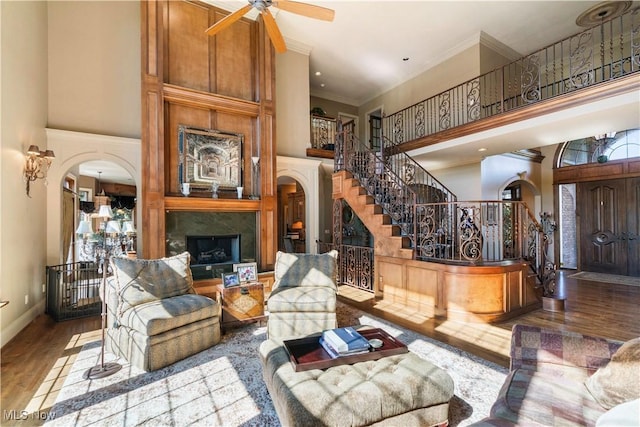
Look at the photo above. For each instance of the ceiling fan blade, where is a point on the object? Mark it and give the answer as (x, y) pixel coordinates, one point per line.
(274, 33)
(304, 9)
(228, 20)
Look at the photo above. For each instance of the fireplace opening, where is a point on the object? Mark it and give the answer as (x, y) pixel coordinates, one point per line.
(210, 250)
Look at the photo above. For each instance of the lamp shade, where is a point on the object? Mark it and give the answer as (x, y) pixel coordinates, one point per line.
(113, 227)
(128, 227)
(84, 228)
(105, 212)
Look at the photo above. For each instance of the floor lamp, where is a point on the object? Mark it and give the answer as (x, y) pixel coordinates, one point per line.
(103, 369)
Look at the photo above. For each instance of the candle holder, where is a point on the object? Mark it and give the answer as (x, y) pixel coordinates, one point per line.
(255, 187)
(185, 190)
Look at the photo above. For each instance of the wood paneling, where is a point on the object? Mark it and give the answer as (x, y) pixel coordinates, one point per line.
(476, 293)
(596, 171)
(225, 83)
(233, 68)
(188, 45)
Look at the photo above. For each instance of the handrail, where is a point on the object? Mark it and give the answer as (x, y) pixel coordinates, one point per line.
(426, 186)
(391, 193)
(605, 52)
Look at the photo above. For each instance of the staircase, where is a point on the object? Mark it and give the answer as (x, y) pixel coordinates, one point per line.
(412, 216)
(387, 236)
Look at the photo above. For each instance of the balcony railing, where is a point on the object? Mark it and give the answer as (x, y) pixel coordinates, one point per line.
(602, 53)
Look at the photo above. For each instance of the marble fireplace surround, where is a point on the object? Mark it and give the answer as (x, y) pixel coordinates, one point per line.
(180, 224)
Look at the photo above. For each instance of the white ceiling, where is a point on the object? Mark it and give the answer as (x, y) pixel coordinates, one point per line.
(106, 171)
(360, 54)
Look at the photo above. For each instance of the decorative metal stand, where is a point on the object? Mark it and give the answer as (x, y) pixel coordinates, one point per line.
(103, 369)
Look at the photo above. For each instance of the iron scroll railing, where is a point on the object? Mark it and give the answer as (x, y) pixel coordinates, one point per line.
(379, 178)
(355, 265)
(605, 52)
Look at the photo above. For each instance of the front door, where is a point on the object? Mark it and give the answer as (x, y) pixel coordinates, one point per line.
(609, 214)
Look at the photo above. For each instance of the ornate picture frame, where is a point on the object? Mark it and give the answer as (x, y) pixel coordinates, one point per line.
(209, 156)
(247, 271)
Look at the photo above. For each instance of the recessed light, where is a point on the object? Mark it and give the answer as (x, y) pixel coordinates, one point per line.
(318, 73)
(321, 84)
(482, 149)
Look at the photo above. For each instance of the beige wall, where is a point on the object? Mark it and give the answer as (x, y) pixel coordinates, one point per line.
(292, 104)
(94, 67)
(23, 116)
(453, 71)
(76, 67)
(463, 181)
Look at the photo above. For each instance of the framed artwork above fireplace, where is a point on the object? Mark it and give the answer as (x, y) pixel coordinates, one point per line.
(209, 157)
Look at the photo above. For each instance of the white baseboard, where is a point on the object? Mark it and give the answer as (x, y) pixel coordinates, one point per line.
(9, 332)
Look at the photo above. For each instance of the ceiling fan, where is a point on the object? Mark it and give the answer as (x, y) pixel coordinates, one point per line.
(262, 6)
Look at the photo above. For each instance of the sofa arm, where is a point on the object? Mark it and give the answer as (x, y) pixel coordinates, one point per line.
(531, 346)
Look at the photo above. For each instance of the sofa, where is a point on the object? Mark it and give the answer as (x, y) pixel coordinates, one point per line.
(154, 316)
(560, 378)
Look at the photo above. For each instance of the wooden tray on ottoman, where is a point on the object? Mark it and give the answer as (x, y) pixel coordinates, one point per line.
(307, 353)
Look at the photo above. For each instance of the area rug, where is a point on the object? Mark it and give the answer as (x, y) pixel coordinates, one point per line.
(223, 386)
(607, 278)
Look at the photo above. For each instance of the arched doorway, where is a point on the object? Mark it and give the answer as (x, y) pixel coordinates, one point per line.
(73, 149)
(291, 215)
(99, 183)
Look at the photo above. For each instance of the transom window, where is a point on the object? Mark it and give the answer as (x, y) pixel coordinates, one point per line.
(601, 148)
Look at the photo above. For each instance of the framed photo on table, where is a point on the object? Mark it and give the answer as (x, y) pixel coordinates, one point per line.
(230, 279)
(248, 272)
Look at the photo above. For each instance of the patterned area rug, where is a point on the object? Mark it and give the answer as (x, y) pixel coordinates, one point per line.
(607, 278)
(223, 386)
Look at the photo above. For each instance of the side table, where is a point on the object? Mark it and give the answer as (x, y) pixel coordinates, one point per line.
(241, 304)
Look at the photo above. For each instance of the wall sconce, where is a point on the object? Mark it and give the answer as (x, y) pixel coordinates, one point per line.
(37, 164)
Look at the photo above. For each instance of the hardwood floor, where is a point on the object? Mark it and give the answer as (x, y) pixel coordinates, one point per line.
(34, 363)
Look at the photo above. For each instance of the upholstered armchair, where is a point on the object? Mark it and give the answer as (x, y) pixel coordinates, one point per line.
(154, 316)
(303, 296)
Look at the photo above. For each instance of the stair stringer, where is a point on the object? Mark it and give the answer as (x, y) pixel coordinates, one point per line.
(387, 239)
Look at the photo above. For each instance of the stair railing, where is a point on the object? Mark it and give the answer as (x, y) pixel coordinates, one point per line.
(427, 188)
(482, 232)
(380, 179)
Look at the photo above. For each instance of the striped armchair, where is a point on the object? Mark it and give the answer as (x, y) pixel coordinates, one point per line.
(303, 297)
(154, 317)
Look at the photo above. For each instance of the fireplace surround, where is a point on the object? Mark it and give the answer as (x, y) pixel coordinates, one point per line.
(215, 240)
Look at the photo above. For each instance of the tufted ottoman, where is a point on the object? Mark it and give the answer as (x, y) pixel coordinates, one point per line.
(400, 390)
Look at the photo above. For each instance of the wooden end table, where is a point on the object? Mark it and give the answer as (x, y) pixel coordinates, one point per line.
(241, 304)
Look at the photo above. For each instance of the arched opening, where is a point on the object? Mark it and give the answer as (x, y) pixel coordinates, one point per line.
(100, 183)
(291, 215)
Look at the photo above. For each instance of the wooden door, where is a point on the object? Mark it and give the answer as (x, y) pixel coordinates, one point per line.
(633, 226)
(608, 214)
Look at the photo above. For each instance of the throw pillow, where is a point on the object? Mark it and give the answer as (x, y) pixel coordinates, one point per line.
(145, 280)
(305, 269)
(626, 414)
(617, 382)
